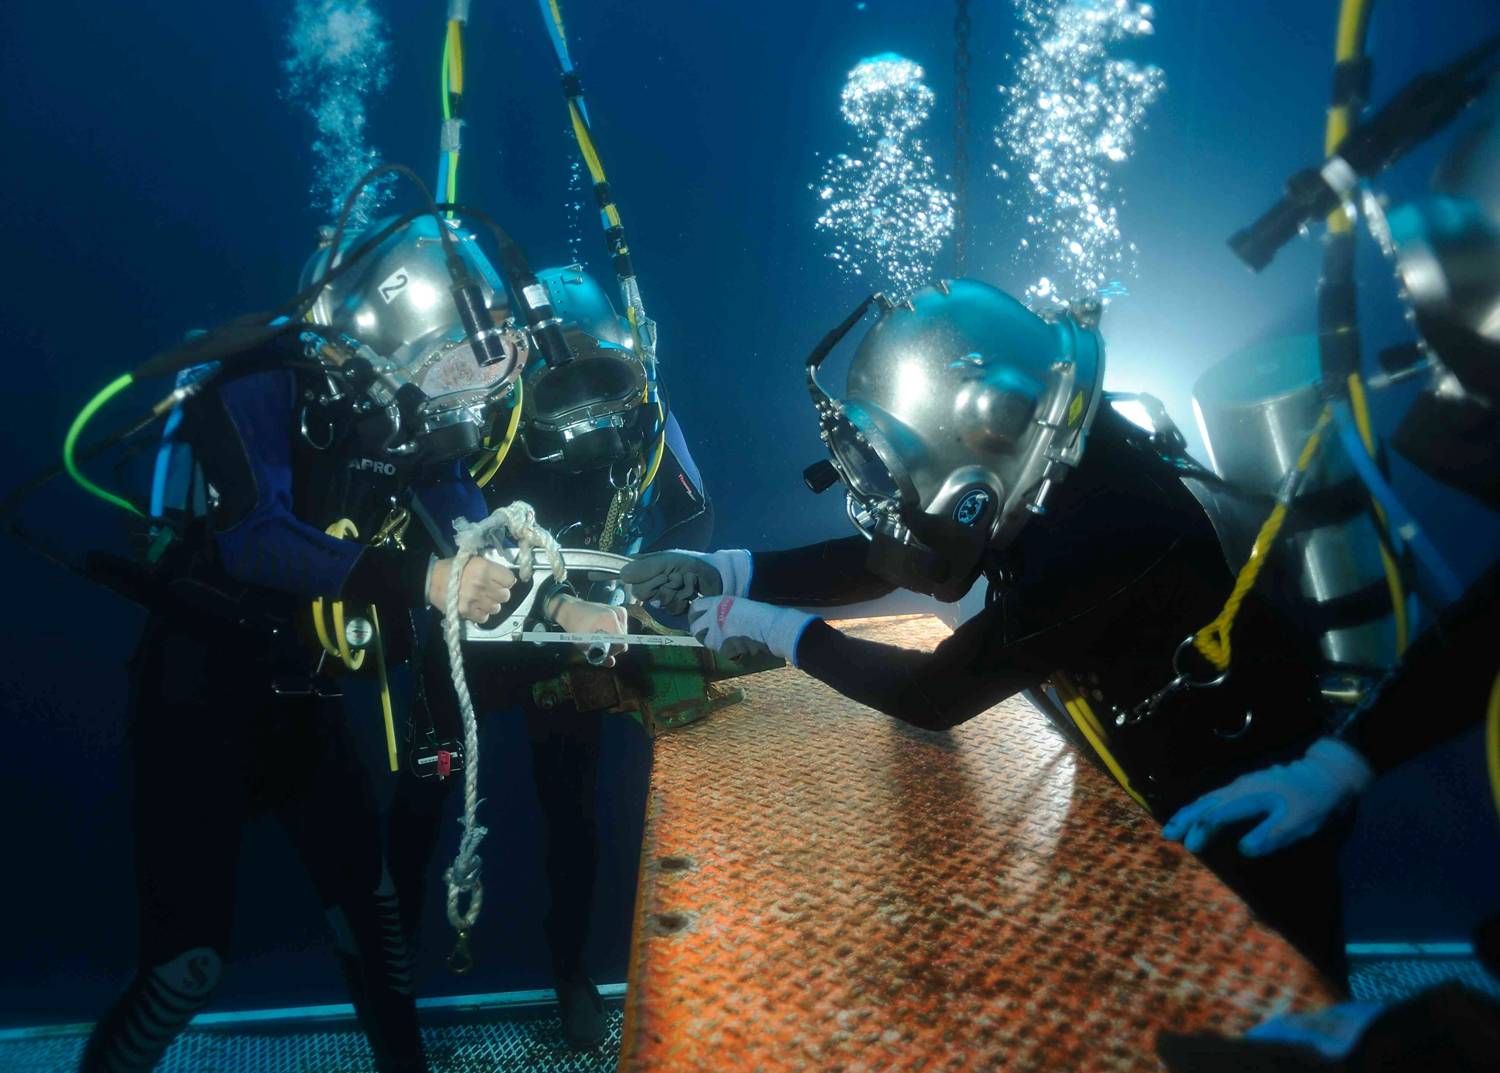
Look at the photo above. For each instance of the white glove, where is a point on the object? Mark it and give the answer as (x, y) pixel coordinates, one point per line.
(737, 626)
(1291, 801)
(669, 579)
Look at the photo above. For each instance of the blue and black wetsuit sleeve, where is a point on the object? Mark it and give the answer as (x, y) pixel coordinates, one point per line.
(439, 503)
(968, 673)
(243, 435)
(831, 574)
(963, 676)
(1441, 688)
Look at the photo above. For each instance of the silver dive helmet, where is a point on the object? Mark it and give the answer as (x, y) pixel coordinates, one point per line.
(587, 413)
(964, 409)
(397, 305)
(1448, 258)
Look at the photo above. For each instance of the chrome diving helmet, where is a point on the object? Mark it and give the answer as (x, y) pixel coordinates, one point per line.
(963, 410)
(590, 411)
(1447, 247)
(1448, 257)
(398, 305)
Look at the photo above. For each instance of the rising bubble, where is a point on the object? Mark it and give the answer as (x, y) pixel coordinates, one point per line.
(880, 200)
(1071, 117)
(338, 54)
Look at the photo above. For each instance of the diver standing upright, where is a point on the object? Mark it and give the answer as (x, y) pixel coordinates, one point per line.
(321, 446)
(584, 433)
(975, 440)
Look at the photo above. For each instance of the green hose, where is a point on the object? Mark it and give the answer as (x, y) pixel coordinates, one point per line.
(70, 444)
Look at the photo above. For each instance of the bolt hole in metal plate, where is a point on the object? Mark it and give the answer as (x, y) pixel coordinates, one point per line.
(670, 923)
(864, 895)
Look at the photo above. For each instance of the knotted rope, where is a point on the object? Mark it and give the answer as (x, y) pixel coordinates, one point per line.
(518, 522)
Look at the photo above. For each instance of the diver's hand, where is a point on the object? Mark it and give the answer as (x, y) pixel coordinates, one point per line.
(738, 627)
(670, 579)
(483, 589)
(573, 615)
(1292, 800)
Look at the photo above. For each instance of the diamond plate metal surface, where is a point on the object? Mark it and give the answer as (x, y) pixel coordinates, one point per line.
(823, 887)
(515, 1043)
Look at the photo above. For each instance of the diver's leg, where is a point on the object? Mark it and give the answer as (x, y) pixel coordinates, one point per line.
(414, 824)
(190, 747)
(565, 763)
(332, 819)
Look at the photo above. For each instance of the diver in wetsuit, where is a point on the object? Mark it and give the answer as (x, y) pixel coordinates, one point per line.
(234, 713)
(961, 443)
(320, 448)
(1448, 256)
(584, 436)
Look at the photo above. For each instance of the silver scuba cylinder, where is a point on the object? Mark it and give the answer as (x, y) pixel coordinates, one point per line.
(1255, 410)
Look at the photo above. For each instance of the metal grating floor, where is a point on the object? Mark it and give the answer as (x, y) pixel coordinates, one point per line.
(825, 888)
(1386, 979)
(513, 1042)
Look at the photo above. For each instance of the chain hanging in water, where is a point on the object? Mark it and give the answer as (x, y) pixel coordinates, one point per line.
(961, 25)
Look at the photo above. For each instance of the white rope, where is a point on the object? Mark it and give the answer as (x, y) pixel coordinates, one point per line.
(517, 521)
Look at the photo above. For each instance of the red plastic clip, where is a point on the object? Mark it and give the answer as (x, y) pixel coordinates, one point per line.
(444, 763)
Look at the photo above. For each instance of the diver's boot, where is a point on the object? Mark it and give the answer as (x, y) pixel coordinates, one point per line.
(152, 1012)
(581, 1010)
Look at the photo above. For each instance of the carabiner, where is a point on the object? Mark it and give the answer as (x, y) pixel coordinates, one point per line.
(461, 960)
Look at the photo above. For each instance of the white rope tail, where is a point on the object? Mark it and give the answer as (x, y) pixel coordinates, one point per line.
(517, 521)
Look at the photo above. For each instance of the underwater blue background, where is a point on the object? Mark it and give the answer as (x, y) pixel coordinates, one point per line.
(156, 180)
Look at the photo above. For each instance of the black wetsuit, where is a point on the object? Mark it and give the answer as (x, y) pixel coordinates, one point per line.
(1102, 589)
(233, 712)
(564, 742)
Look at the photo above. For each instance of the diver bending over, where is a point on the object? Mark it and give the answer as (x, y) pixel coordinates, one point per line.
(235, 709)
(965, 412)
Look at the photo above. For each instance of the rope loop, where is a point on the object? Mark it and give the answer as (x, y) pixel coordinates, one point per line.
(516, 522)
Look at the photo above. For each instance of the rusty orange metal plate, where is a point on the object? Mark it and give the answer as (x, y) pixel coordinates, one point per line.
(824, 888)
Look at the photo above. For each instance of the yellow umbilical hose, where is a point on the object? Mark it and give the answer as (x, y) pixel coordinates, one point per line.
(1492, 741)
(336, 643)
(1213, 641)
(1349, 47)
(484, 470)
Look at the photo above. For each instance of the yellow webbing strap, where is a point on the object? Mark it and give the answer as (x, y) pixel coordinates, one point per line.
(1082, 714)
(385, 694)
(1213, 640)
